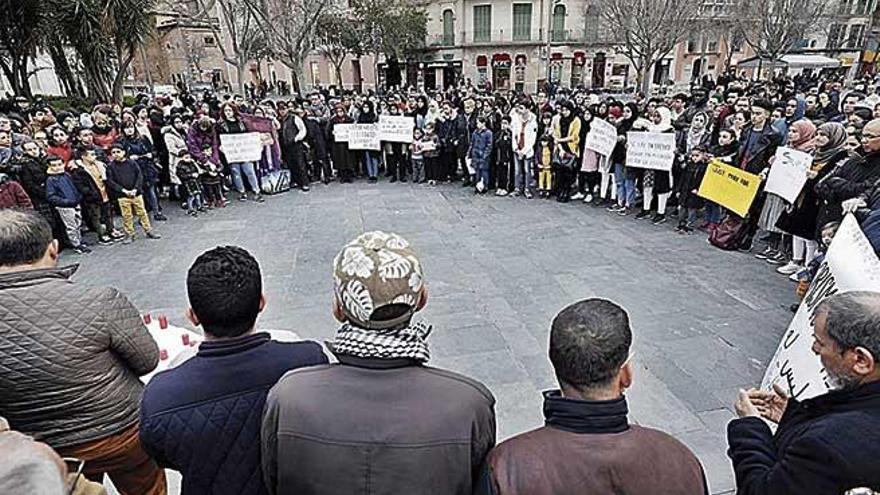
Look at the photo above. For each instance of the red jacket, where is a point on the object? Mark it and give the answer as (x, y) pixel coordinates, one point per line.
(12, 195)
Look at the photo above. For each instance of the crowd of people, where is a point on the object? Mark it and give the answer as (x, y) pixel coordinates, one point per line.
(248, 415)
(96, 164)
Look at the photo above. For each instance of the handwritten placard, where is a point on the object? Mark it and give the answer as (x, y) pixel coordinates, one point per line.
(245, 147)
(788, 174)
(396, 128)
(341, 132)
(849, 265)
(602, 137)
(729, 187)
(363, 137)
(651, 150)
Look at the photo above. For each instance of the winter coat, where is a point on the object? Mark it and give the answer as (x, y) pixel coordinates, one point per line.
(32, 176)
(416, 429)
(339, 153)
(481, 148)
(175, 142)
(70, 357)
(61, 191)
(203, 418)
(141, 147)
(850, 179)
(63, 151)
(453, 135)
(527, 129)
(124, 175)
(759, 159)
(197, 141)
(801, 220)
(12, 195)
(86, 186)
(589, 448)
(827, 444)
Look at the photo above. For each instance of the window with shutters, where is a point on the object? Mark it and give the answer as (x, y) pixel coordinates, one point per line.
(482, 22)
(522, 21)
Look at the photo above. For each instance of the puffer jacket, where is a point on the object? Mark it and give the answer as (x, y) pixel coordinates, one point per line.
(70, 357)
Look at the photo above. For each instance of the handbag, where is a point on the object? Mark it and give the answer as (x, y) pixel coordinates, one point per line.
(730, 234)
(564, 160)
(275, 182)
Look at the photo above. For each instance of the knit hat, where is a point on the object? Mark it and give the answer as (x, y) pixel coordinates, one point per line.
(374, 270)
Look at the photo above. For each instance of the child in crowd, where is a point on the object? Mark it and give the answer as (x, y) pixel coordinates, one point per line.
(62, 194)
(431, 153)
(805, 277)
(417, 150)
(210, 181)
(480, 152)
(545, 167)
(690, 202)
(89, 176)
(188, 173)
(501, 172)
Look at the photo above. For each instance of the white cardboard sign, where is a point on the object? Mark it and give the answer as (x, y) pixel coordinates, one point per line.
(651, 150)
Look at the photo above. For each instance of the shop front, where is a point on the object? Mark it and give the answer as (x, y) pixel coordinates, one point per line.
(501, 71)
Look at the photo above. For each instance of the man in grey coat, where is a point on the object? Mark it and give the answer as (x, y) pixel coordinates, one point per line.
(70, 358)
(380, 421)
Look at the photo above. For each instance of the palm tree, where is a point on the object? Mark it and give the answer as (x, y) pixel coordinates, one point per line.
(106, 35)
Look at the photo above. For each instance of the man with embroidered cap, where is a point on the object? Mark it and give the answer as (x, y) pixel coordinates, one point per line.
(380, 417)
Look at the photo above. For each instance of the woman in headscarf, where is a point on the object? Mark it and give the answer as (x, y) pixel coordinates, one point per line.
(698, 133)
(341, 156)
(800, 137)
(566, 138)
(626, 191)
(657, 181)
(801, 218)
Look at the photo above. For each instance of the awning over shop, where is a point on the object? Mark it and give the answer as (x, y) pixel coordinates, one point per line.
(792, 61)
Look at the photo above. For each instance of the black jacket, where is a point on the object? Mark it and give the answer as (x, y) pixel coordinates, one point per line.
(124, 175)
(32, 177)
(824, 445)
(203, 417)
(758, 160)
(85, 183)
(850, 179)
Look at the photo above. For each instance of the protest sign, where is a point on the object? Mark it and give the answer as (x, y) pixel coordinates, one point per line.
(363, 137)
(788, 174)
(651, 150)
(729, 187)
(396, 128)
(602, 137)
(849, 265)
(341, 132)
(245, 147)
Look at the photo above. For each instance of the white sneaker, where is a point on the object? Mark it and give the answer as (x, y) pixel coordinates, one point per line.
(588, 198)
(501, 192)
(480, 186)
(577, 196)
(789, 268)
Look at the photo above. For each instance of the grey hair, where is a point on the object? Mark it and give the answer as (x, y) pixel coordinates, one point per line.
(26, 468)
(852, 319)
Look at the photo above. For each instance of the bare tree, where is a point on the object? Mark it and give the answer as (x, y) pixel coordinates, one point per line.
(648, 29)
(338, 35)
(289, 27)
(773, 27)
(245, 38)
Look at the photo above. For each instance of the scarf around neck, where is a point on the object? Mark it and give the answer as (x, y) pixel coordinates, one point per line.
(407, 342)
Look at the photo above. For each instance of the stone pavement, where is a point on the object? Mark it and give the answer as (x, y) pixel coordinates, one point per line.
(705, 321)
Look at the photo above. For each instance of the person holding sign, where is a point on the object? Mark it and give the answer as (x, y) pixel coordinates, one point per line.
(370, 158)
(231, 124)
(343, 160)
(826, 444)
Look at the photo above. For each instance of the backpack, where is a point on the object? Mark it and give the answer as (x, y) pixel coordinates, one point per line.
(275, 182)
(730, 234)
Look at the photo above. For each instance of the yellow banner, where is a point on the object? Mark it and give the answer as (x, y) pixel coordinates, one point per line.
(730, 187)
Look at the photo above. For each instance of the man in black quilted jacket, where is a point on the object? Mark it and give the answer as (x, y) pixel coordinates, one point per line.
(70, 358)
(203, 417)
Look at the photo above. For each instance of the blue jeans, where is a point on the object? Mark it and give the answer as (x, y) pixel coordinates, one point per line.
(248, 169)
(483, 173)
(371, 161)
(194, 202)
(522, 173)
(151, 199)
(713, 212)
(626, 188)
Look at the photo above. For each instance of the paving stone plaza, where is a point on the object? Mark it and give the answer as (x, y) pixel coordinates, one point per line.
(705, 321)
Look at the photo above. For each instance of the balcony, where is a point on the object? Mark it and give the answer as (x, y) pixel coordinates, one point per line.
(505, 36)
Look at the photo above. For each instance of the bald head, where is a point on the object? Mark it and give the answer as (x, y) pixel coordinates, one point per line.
(871, 136)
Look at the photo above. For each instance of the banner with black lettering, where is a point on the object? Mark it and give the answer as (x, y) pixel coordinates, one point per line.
(849, 265)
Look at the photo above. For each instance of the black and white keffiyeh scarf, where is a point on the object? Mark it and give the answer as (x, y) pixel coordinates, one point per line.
(408, 342)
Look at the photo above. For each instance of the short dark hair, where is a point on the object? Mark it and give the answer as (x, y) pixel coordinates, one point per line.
(224, 286)
(24, 237)
(589, 342)
(852, 320)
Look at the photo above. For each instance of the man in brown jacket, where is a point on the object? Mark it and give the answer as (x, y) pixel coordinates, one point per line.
(70, 358)
(587, 446)
(380, 421)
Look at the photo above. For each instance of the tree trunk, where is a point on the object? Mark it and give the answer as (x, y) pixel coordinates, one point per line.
(24, 81)
(62, 69)
(642, 78)
(239, 74)
(96, 82)
(119, 79)
(338, 68)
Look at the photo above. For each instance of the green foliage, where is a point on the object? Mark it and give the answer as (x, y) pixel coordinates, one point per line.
(395, 28)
